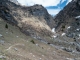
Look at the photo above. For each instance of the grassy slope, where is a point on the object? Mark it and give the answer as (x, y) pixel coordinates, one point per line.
(15, 45)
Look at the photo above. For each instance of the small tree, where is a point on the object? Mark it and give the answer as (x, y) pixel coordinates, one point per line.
(63, 26)
(32, 41)
(6, 26)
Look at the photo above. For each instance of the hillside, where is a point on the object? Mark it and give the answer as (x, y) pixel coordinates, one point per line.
(26, 32)
(14, 45)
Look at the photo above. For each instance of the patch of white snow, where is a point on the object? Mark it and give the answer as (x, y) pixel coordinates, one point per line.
(77, 29)
(63, 34)
(77, 17)
(68, 27)
(79, 35)
(53, 30)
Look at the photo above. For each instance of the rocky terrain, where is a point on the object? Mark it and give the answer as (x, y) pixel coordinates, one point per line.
(14, 45)
(33, 20)
(68, 27)
(30, 33)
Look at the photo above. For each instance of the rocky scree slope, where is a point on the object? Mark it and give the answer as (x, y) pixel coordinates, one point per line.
(68, 28)
(67, 16)
(68, 20)
(33, 20)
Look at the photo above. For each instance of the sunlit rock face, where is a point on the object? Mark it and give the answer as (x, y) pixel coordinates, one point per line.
(32, 20)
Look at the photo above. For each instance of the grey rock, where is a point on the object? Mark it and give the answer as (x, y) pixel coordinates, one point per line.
(1, 35)
(67, 49)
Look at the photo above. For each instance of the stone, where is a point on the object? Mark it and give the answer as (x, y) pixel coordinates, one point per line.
(1, 35)
(78, 49)
(2, 42)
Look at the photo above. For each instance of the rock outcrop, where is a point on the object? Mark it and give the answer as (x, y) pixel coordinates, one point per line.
(68, 22)
(67, 17)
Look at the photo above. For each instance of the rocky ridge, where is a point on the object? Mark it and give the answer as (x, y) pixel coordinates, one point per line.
(33, 20)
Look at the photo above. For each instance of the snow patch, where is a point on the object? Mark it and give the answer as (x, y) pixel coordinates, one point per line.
(54, 36)
(68, 27)
(77, 17)
(79, 35)
(63, 34)
(77, 29)
(53, 30)
(1, 56)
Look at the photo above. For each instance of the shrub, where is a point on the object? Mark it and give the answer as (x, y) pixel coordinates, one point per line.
(78, 23)
(63, 26)
(32, 41)
(6, 26)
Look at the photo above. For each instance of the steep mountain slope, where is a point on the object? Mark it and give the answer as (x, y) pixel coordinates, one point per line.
(68, 28)
(33, 20)
(66, 17)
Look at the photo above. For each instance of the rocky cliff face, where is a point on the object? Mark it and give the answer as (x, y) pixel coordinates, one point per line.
(68, 26)
(33, 20)
(67, 17)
